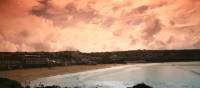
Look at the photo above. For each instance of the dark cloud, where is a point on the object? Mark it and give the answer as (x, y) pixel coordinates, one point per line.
(152, 26)
(197, 44)
(70, 15)
(141, 9)
(41, 46)
(41, 9)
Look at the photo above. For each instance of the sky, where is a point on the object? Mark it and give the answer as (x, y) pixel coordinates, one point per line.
(98, 25)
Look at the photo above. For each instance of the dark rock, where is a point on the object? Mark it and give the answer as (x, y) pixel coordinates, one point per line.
(8, 83)
(54, 86)
(141, 85)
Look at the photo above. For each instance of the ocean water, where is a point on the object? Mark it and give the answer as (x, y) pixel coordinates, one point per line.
(157, 75)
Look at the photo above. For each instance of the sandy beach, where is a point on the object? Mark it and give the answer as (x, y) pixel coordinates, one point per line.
(22, 75)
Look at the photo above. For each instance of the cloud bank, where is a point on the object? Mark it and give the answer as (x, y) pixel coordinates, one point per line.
(99, 25)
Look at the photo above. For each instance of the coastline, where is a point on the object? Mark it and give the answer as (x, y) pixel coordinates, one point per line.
(22, 75)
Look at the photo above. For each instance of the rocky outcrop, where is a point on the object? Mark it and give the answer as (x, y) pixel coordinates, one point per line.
(8, 83)
(141, 85)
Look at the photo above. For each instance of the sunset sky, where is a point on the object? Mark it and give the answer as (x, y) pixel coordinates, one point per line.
(99, 25)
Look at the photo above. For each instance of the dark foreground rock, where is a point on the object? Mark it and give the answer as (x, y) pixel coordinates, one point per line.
(141, 85)
(54, 86)
(8, 83)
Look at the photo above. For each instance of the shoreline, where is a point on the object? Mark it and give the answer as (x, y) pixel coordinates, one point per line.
(22, 75)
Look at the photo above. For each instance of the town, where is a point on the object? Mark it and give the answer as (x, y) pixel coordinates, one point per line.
(17, 60)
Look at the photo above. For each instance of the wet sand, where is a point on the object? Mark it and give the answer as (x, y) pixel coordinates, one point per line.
(22, 75)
